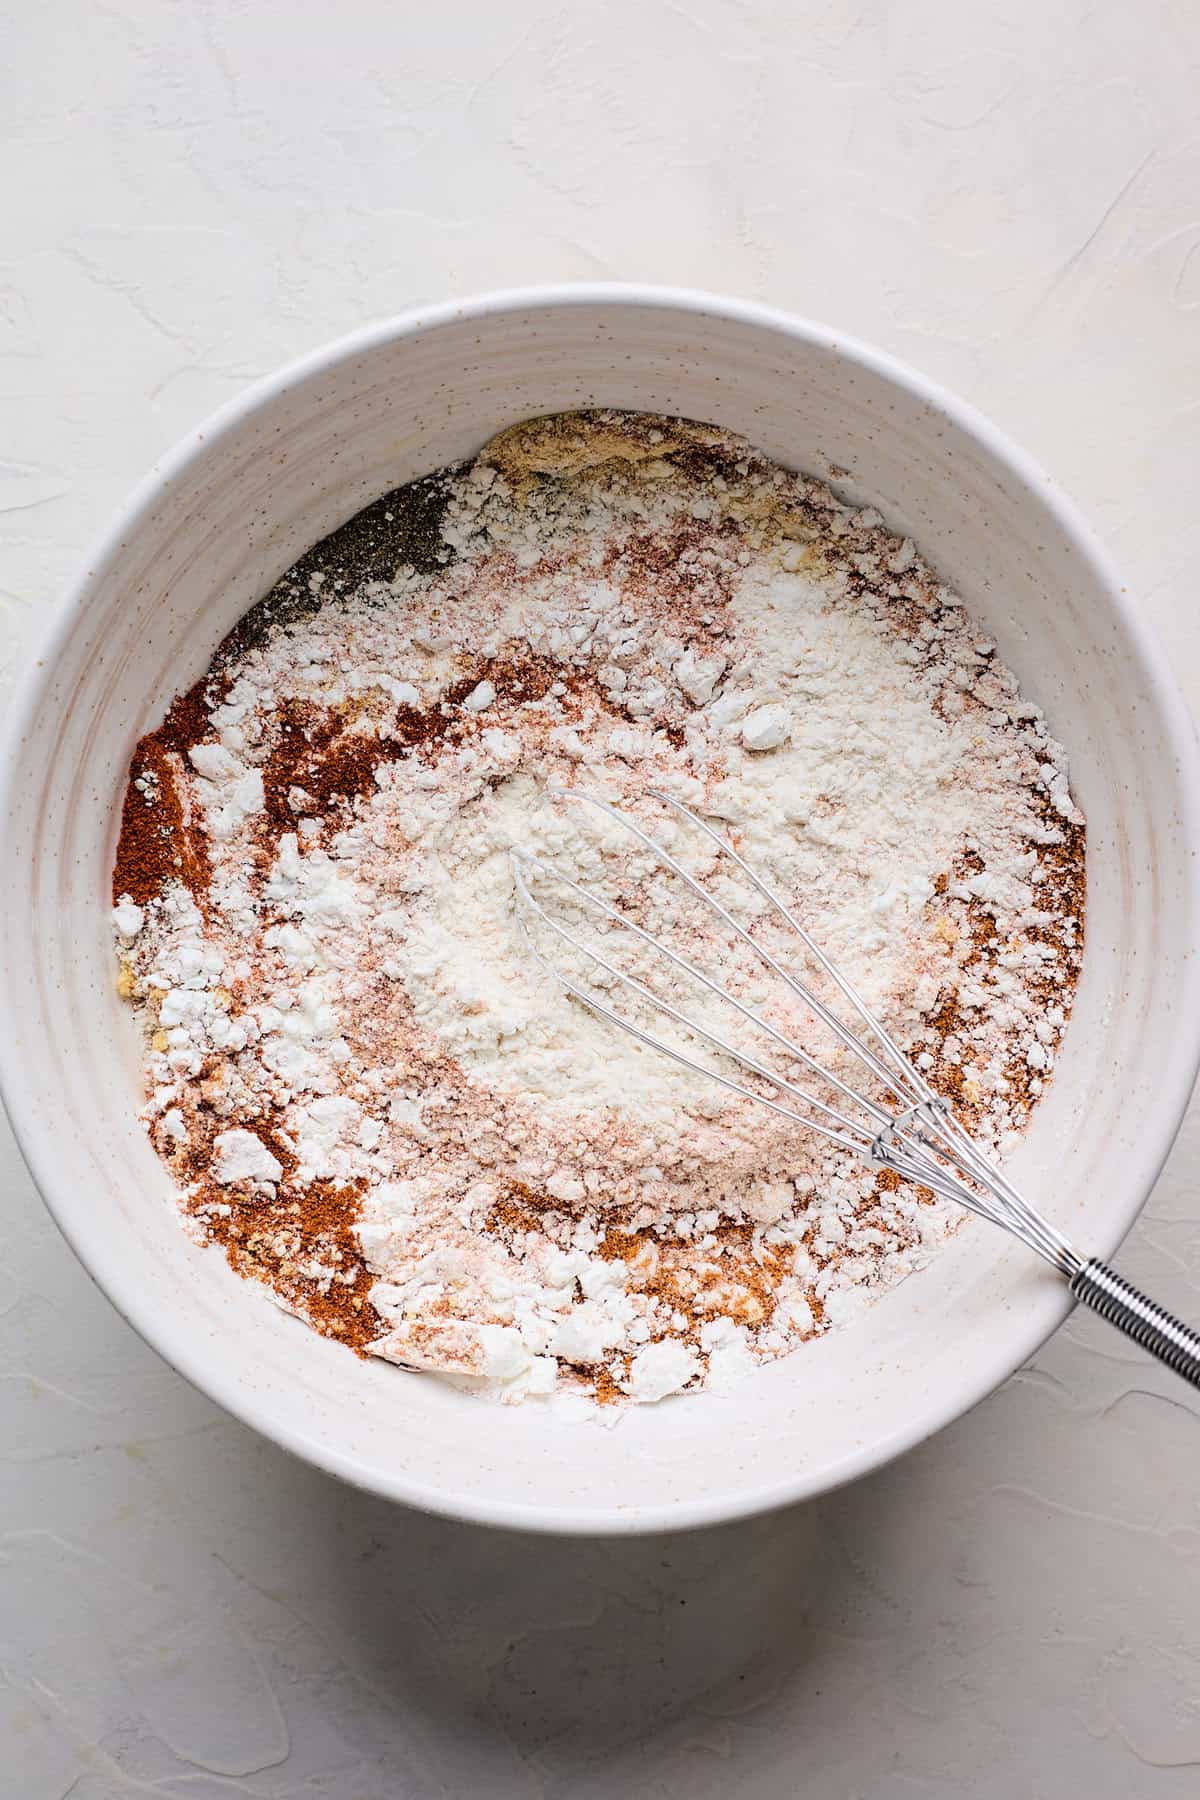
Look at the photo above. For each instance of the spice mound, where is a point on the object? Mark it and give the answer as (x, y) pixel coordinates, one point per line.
(366, 1088)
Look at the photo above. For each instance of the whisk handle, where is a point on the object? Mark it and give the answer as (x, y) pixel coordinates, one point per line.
(1149, 1324)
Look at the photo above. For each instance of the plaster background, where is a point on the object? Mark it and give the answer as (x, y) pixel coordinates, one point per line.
(1007, 195)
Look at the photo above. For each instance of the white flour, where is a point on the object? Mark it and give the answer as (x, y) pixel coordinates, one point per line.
(349, 1017)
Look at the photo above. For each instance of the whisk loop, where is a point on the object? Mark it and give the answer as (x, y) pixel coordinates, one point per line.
(900, 1124)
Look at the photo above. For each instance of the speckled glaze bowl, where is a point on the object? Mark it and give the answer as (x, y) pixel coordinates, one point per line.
(213, 526)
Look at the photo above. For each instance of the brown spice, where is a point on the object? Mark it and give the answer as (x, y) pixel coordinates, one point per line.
(605, 1388)
(266, 1240)
(1063, 894)
(519, 1210)
(738, 1282)
(187, 722)
(157, 843)
(319, 750)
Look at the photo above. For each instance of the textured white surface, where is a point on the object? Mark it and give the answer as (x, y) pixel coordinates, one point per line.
(1008, 198)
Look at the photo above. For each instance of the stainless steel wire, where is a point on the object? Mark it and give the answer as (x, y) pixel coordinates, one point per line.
(888, 1115)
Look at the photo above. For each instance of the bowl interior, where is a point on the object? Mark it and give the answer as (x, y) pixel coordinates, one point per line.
(202, 541)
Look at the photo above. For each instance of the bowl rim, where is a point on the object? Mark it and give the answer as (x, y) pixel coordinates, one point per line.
(1027, 1330)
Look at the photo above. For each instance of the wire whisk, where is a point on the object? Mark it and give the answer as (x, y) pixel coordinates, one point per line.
(899, 1122)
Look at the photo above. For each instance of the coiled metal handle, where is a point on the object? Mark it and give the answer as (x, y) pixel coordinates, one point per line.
(1149, 1324)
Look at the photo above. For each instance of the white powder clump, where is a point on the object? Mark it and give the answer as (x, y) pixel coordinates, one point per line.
(241, 1156)
(480, 697)
(127, 918)
(766, 728)
(661, 1369)
(229, 791)
(469, 1174)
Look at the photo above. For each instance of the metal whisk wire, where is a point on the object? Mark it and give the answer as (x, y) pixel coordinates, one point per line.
(907, 1127)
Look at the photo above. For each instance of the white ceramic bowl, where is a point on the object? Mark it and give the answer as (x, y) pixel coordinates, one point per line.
(214, 525)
